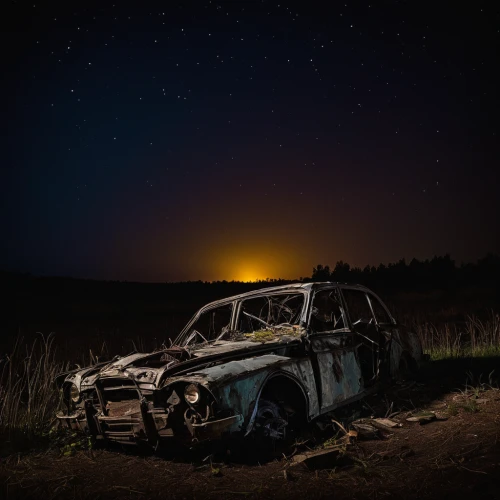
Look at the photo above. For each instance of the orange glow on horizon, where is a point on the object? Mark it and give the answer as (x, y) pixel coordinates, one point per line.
(249, 274)
(248, 270)
(250, 266)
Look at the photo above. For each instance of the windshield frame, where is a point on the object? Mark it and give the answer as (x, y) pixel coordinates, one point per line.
(183, 336)
(236, 303)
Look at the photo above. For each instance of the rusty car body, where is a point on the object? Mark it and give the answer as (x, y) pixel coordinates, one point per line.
(245, 365)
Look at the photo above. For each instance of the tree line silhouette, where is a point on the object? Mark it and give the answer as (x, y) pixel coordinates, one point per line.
(440, 272)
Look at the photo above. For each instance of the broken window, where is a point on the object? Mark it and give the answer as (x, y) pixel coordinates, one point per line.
(380, 313)
(269, 311)
(326, 313)
(210, 326)
(357, 306)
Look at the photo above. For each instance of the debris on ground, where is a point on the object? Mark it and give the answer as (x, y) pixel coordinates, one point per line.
(365, 431)
(327, 458)
(422, 417)
(374, 428)
(481, 401)
(386, 422)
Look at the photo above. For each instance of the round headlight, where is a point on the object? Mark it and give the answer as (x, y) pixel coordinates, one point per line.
(192, 394)
(74, 393)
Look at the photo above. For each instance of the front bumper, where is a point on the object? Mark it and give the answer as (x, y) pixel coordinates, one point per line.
(149, 425)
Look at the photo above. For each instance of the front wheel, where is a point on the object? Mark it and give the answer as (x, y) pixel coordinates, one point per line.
(271, 421)
(277, 425)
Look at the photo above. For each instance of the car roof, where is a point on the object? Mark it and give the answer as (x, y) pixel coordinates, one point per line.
(292, 287)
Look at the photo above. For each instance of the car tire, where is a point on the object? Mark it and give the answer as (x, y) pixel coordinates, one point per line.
(275, 430)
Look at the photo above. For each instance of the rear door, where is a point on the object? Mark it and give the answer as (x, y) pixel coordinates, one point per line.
(390, 336)
(371, 342)
(332, 349)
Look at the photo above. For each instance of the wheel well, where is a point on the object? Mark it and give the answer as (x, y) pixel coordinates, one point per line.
(288, 392)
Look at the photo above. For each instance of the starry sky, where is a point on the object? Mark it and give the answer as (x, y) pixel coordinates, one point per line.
(165, 141)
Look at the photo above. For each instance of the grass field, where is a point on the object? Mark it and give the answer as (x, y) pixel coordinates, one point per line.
(472, 338)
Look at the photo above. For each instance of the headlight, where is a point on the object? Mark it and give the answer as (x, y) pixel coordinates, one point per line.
(191, 394)
(146, 376)
(74, 393)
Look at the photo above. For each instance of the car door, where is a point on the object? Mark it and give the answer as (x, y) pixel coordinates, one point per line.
(332, 350)
(388, 332)
(371, 342)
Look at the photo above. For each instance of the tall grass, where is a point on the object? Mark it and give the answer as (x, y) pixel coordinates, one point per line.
(472, 338)
(28, 397)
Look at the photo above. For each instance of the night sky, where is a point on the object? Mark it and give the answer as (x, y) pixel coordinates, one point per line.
(165, 141)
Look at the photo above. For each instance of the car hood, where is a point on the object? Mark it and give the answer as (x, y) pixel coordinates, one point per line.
(154, 368)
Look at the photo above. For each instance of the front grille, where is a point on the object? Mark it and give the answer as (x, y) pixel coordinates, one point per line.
(123, 408)
(120, 396)
(122, 419)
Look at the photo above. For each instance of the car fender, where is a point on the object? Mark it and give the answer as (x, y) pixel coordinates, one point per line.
(237, 385)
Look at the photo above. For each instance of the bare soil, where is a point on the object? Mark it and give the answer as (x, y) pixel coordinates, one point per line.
(456, 457)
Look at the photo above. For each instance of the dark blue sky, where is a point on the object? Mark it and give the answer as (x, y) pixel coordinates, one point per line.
(243, 140)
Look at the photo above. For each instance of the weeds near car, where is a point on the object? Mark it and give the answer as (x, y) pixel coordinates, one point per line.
(28, 397)
(474, 338)
(473, 394)
(470, 406)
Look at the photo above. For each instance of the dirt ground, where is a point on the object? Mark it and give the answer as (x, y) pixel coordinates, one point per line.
(455, 455)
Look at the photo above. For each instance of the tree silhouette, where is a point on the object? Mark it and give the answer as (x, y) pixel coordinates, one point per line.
(440, 272)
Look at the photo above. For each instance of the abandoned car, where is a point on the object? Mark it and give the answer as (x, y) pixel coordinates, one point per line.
(248, 365)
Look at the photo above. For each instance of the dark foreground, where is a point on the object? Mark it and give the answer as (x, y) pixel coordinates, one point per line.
(456, 457)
